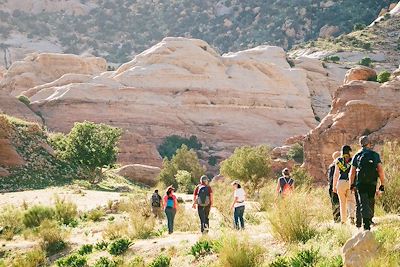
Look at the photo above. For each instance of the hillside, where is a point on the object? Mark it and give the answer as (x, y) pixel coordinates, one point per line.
(119, 29)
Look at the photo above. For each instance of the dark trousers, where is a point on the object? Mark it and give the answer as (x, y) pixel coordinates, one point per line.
(238, 217)
(366, 204)
(204, 212)
(335, 205)
(170, 212)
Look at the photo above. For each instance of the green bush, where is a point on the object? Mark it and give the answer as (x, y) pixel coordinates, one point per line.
(85, 249)
(119, 246)
(24, 100)
(31, 258)
(185, 160)
(34, 216)
(104, 262)
(73, 260)
(366, 61)
(359, 26)
(101, 245)
(296, 153)
(305, 258)
(95, 215)
(301, 177)
(52, 239)
(161, 261)
(383, 76)
(137, 261)
(201, 248)
(172, 143)
(212, 160)
(65, 212)
(92, 145)
(11, 221)
(235, 252)
(333, 58)
(185, 181)
(248, 164)
(59, 143)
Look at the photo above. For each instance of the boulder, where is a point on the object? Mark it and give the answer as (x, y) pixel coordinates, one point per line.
(9, 156)
(140, 173)
(360, 73)
(359, 249)
(328, 31)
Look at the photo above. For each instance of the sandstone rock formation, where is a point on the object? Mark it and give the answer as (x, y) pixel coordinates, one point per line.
(182, 86)
(360, 73)
(12, 106)
(359, 108)
(37, 69)
(328, 31)
(359, 249)
(140, 173)
(9, 156)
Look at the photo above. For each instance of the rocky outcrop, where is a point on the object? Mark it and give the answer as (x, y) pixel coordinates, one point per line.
(328, 31)
(181, 86)
(359, 108)
(10, 105)
(37, 69)
(140, 173)
(360, 249)
(360, 73)
(9, 156)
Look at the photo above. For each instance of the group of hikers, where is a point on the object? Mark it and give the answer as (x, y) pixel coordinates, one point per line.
(352, 188)
(353, 184)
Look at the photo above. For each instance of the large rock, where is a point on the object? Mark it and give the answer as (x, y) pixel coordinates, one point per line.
(359, 108)
(359, 250)
(182, 86)
(37, 69)
(140, 173)
(9, 156)
(10, 105)
(360, 73)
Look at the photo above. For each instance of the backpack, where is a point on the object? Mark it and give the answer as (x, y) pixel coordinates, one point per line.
(170, 202)
(367, 172)
(344, 168)
(203, 198)
(155, 201)
(287, 187)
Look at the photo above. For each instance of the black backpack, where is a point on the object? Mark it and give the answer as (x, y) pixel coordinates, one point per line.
(367, 172)
(203, 198)
(155, 200)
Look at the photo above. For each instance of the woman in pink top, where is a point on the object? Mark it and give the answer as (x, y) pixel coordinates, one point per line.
(170, 206)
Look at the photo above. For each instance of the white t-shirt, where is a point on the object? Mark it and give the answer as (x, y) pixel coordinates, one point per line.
(240, 194)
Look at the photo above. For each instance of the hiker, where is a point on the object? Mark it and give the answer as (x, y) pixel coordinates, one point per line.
(170, 207)
(367, 166)
(332, 195)
(156, 205)
(285, 183)
(239, 196)
(203, 200)
(341, 185)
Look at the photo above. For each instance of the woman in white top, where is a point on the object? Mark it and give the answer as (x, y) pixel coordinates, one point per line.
(239, 196)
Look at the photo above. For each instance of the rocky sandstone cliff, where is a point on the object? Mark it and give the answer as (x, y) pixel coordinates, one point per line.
(182, 86)
(359, 108)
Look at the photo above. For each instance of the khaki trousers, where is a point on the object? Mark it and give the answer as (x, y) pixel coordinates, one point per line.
(347, 200)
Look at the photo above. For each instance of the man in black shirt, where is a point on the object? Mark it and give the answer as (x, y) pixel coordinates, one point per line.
(334, 196)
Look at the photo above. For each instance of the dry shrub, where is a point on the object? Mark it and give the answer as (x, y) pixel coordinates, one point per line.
(237, 251)
(51, 237)
(391, 162)
(141, 226)
(32, 258)
(11, 221)
(223, 197)
(186, 220)
(116, 230)
(65, 211)
(296, 217)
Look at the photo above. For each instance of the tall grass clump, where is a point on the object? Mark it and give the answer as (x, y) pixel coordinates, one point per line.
(239, 252)
(116, 230)
(391, 157)
(141, 226)
(32, 258)
(388, 236)
(186, 220)
(222, 199)
(65, 212)
(296, 217)
(34, 216)
(51, 237)
(161, 261)
(11, 221)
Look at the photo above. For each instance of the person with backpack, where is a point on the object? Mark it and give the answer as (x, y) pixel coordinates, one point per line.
(156, 204)
(203, 200)
(332, 195)
(170, 208)
(285, 183)
(365, 171)
(239, 196)
(341, 185)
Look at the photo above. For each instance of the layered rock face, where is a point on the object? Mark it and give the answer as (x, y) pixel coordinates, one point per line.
(140, 173)
(37, 69)
(182, 86)
(359, 108)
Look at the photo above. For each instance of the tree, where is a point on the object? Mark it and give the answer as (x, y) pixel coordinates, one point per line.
(296, 153)
(171, 144)
(185, 181)
(383, 76)
(91, 145)
(248, 164)
(183, 160)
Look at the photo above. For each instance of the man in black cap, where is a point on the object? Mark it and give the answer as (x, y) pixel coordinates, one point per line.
(341, 185)
(367, 166)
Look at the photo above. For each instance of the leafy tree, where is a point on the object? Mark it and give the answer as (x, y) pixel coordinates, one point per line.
(248, 164)
(383, 76)
(185, 181)
(90, 145)
(171, 144)
(296, 153)
(366, 61)
(183, 160)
